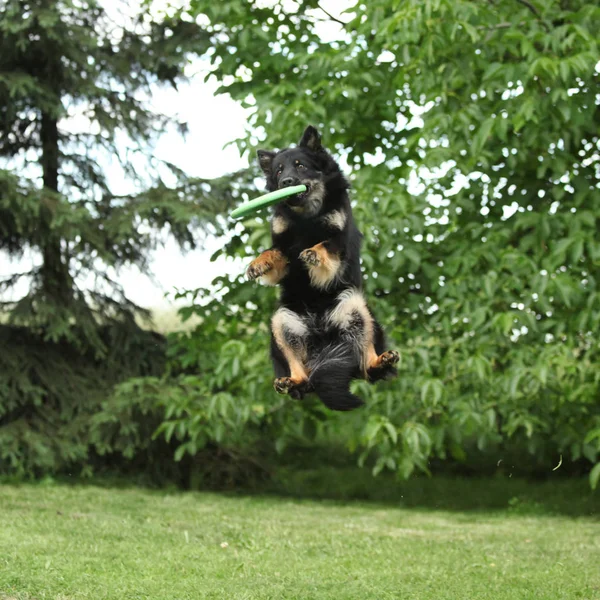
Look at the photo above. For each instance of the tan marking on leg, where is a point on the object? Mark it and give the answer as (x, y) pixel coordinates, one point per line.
(271, 266)
(336, 219)
(372, 359)
(279, 224)
(351, 302)
(323, 267)
(286, 320)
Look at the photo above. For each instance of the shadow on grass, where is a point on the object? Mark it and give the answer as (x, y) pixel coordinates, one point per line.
(555, 495)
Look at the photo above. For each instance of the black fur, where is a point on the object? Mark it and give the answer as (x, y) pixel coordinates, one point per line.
(332, 351)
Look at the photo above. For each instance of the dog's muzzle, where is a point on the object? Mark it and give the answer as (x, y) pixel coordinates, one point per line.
(298, 199)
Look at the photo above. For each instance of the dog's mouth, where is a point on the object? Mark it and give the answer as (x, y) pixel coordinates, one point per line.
(299, 198)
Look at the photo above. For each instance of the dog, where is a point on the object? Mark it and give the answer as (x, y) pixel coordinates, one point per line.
(323, 334)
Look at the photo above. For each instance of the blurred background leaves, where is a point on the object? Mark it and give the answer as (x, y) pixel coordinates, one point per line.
(470, 134)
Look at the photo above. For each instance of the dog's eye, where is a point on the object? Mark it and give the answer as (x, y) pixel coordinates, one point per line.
(301, 166)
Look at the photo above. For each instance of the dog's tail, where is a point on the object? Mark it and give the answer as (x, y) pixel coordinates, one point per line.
(331, 371)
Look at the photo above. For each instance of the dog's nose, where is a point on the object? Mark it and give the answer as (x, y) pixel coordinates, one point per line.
(287, 182)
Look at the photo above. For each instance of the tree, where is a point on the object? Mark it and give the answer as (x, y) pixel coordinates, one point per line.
(75, 82)
(471, 133)
(59, 61)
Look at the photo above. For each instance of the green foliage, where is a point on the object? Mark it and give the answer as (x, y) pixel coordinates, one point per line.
(470, 131)
(75, 90)
(50, 391)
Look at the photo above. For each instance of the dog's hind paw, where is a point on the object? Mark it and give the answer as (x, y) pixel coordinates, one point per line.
(389, 358)
(384, 366)
(286, 385)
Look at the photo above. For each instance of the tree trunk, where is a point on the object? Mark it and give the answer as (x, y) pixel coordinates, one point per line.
(49, 138)
(56, 279)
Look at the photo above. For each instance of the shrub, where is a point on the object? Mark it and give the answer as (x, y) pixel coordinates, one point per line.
(49, 392)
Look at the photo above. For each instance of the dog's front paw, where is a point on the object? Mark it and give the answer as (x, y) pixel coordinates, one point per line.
(257, 268)
(310, 257)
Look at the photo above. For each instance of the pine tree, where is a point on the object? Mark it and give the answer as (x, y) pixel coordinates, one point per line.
(60, 58)
(69, 343)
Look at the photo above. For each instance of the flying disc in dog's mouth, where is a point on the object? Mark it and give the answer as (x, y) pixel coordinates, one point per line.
(297, 199)
(266, 200)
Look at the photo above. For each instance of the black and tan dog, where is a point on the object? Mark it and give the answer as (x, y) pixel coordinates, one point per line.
(323, 333)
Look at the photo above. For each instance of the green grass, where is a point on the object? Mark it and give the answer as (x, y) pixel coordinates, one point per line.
(70, 542)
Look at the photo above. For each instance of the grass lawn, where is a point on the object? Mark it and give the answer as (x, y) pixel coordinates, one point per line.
(70, 542)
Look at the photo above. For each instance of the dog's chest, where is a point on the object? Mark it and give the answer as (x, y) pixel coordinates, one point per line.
(302, 236)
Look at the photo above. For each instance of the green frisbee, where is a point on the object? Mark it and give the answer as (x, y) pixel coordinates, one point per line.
(266, 200)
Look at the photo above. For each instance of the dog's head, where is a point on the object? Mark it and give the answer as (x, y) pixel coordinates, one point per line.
(308, 164)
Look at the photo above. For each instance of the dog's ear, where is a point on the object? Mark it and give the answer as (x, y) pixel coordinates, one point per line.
(265, 159)
(311, 139)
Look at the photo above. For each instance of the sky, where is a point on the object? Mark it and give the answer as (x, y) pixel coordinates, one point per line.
(213, 122)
